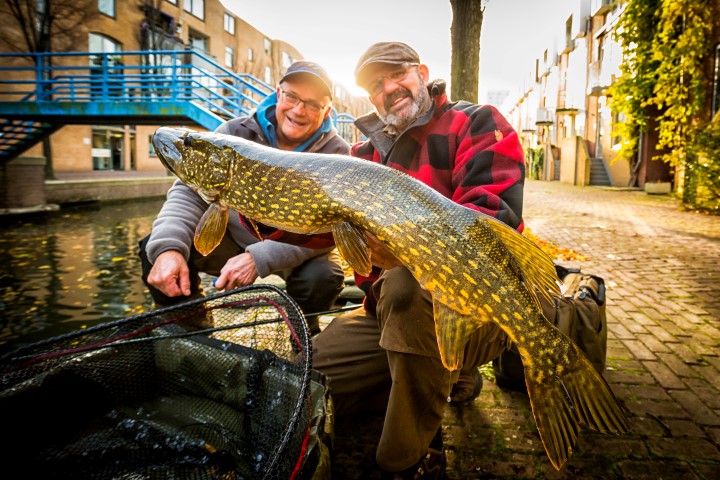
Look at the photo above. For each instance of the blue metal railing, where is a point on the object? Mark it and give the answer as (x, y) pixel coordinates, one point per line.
(40, 92)
(138, 76)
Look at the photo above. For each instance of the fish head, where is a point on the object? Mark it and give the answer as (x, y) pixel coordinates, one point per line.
(194, 158)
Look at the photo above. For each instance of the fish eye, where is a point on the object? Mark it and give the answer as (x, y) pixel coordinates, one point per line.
(186, 141)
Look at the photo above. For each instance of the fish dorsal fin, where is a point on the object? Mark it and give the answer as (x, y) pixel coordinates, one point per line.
(353, 247)
(453, 330)
(537, 267)
(211, 229)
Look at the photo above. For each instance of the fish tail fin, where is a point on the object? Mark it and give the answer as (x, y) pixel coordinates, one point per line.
(563, 401)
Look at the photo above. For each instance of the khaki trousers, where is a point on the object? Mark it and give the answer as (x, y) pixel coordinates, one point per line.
(392, 363)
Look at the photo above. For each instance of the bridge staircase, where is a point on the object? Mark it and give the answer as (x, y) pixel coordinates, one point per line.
(42, 92)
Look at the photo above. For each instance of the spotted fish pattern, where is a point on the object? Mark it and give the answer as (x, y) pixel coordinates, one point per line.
(477, 268)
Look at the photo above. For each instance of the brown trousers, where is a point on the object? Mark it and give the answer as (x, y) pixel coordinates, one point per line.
(392, 363)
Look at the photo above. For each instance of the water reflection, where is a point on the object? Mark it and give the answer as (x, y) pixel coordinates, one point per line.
(71, 269)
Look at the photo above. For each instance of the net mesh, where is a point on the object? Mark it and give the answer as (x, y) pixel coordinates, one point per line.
(219, 387)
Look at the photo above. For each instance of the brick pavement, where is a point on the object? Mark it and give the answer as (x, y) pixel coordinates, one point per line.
(661, 266)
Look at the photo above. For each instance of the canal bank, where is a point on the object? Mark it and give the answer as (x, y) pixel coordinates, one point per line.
(88, 187)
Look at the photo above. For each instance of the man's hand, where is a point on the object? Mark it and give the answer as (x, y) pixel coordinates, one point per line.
(239, 271)
(170, 274)
(380, 256)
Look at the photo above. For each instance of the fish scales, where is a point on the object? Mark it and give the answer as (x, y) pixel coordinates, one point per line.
(477, 269)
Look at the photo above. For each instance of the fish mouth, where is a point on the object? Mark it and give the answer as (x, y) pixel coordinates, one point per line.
(167, 142)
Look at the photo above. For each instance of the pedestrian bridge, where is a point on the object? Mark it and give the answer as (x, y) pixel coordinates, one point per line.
(142, 87)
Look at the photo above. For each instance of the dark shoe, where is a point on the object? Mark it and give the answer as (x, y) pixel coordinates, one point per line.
(466, 389)
(430, 467)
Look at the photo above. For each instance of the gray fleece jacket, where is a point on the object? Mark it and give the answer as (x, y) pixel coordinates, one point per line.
(174, 227)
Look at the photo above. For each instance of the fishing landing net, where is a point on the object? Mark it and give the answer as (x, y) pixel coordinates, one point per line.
(220, 387)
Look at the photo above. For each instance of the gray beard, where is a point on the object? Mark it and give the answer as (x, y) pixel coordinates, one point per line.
(409, 116)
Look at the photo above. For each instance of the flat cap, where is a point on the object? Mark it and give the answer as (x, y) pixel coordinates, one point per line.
(310, 68)
(386, 52)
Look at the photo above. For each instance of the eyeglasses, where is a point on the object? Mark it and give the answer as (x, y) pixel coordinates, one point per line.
(291, 99)
(378, 85)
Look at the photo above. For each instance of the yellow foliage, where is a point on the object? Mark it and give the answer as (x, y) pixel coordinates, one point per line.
(553, 250)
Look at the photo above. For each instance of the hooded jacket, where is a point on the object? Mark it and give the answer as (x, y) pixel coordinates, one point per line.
(174, 227)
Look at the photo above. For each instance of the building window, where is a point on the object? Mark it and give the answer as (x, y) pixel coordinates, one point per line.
(229, 21)
(107, 7)
(199, 42)
(287, 60)
(268, 75)
(268, 46)
(151, 147)
(102, 44)
(716, 82)
(107, 148)
(229, 57)
(250, 54)
(196, 7)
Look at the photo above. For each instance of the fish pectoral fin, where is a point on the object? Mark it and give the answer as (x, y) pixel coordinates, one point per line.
(565, 395)
(353, 247)
(536, 266)
(453, 330)
(211, 229)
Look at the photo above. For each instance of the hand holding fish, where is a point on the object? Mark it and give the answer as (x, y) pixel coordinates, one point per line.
(238, 271)
(380, 256)
(170, 274)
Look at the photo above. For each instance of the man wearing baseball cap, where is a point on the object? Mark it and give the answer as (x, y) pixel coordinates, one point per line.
(294, 117)
(388, 351)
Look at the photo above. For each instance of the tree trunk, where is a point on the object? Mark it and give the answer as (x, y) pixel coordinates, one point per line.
(465, 35)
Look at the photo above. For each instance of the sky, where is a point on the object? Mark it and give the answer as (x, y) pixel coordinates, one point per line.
(335, 33)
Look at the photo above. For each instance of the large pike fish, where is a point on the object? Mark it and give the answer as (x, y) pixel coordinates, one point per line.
(477, 269)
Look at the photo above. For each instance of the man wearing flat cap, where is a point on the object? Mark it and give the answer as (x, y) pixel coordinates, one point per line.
(294, 117)
(386, 354)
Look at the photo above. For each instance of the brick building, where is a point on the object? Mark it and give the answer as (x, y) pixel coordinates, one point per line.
(205, 26)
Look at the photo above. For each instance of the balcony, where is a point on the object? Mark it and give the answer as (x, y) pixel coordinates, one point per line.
(601, 7)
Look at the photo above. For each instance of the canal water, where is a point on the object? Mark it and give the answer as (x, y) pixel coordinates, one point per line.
(71, 269)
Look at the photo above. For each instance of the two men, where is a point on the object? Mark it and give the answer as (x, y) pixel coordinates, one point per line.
(385, 355)
(295, 117)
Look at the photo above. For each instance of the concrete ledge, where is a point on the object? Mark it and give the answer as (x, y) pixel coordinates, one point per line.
(92, 190)
(51, 207)
(658, 188)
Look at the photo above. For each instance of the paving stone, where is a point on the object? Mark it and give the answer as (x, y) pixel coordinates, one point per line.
(581, 468)
(714, 434)
(652, 343)
(677, 366)
(665, 377)
(708, 471)
(698, 411)
(629, 377)
(595, 444)
(466, 464)
(650, 392)
(684, 448)
(684, 428)
(644, 408)
(709, 394)
(656, 470)
(661, 334)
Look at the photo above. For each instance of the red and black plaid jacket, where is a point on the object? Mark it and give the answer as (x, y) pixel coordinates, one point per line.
(465, 151)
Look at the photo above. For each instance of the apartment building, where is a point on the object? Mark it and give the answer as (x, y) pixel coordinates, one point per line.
(563, 106)
(204, 26)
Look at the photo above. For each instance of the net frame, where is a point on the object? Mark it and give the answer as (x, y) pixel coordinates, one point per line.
(289, 347)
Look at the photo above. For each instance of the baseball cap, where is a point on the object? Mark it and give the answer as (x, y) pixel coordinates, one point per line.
(385, 52)
(310, 68)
